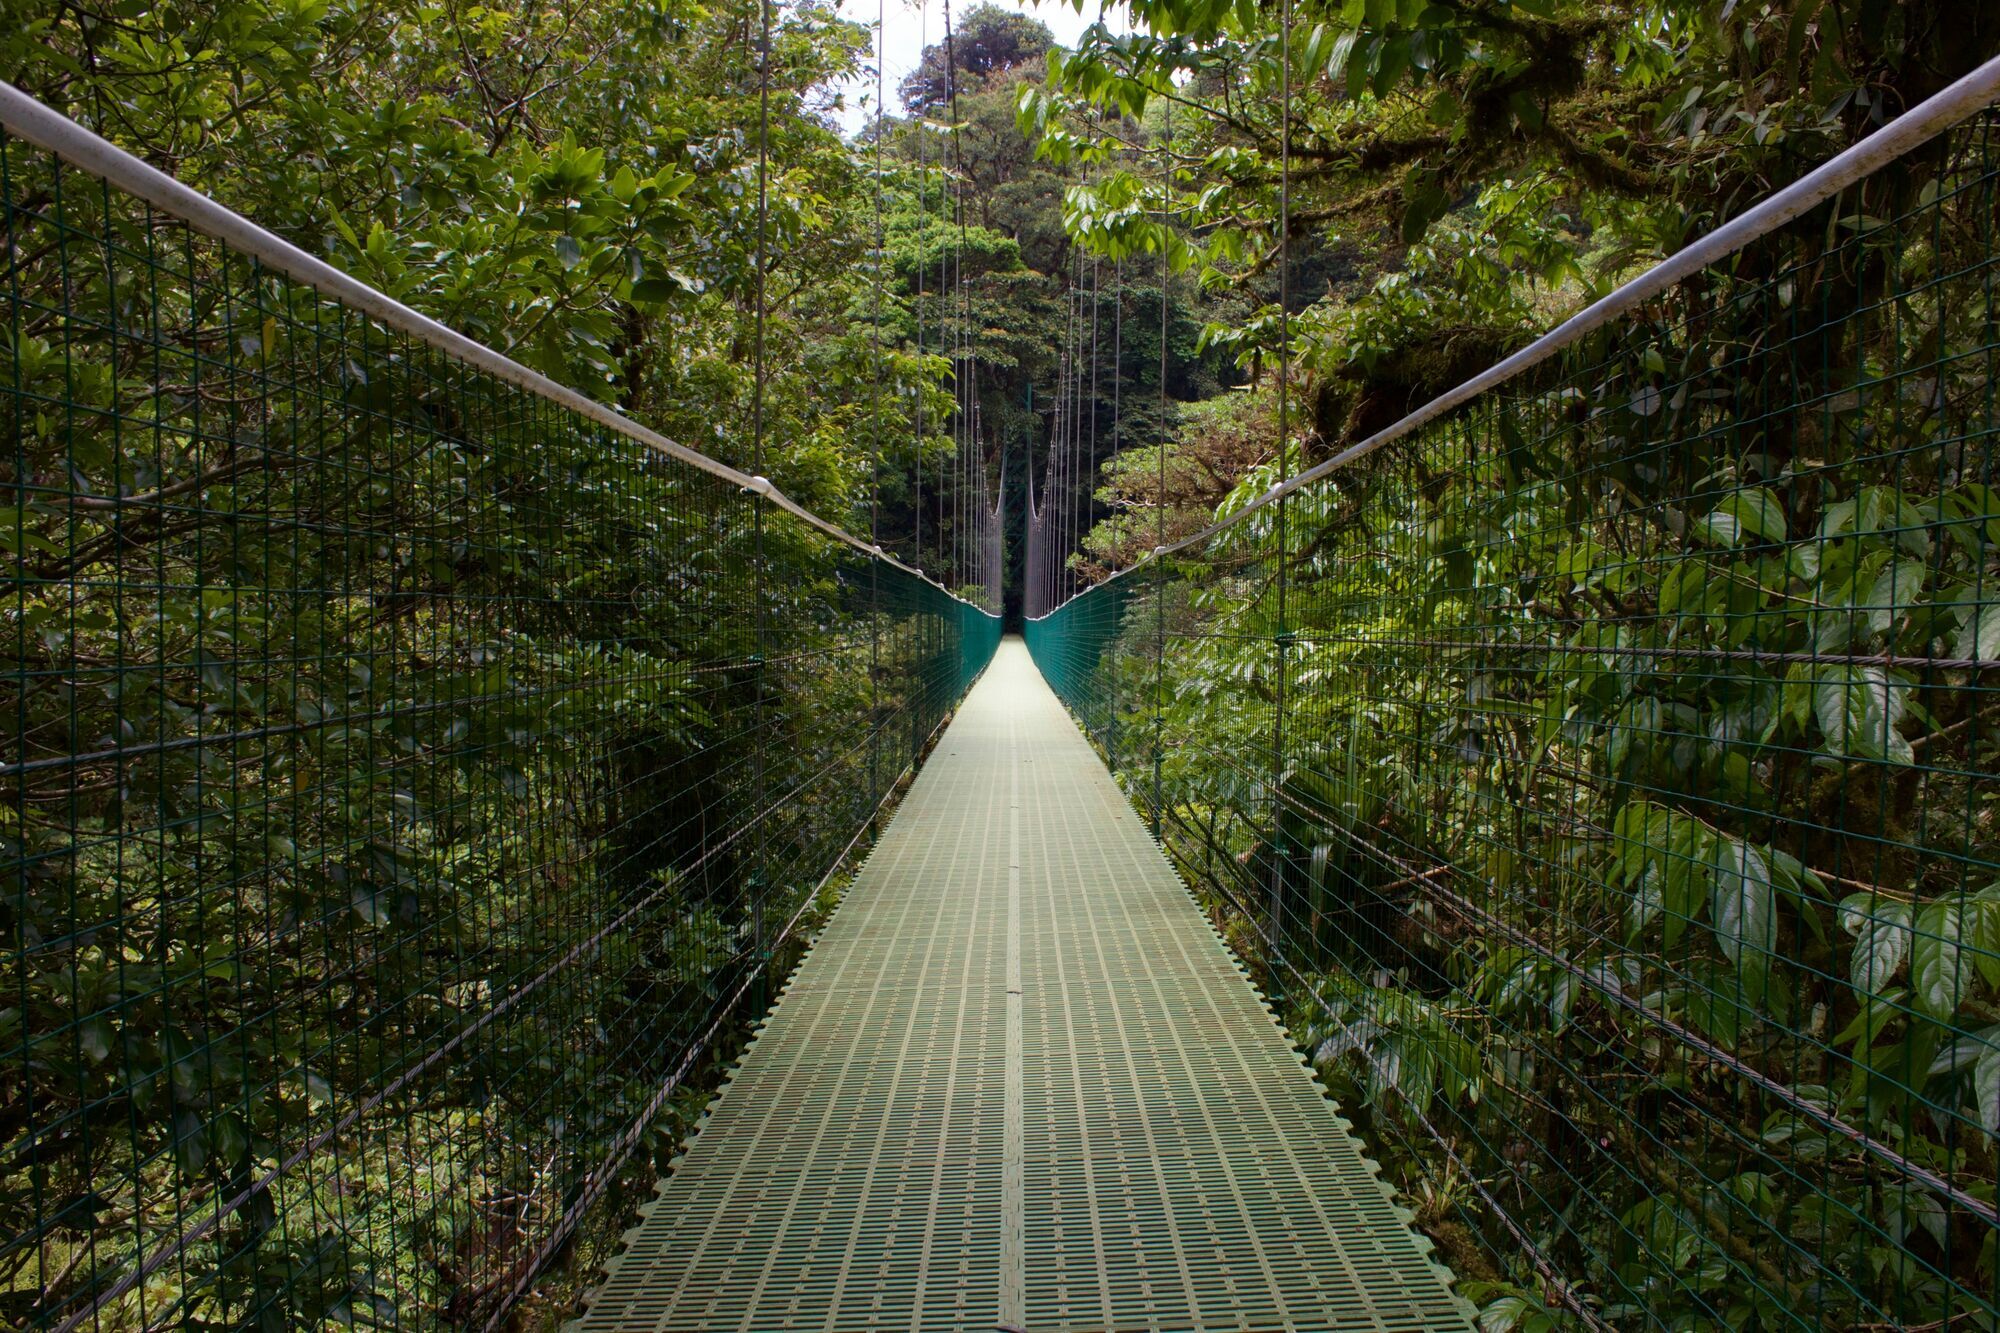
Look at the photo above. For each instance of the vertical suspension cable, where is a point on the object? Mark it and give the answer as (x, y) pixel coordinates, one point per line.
(1117, 402)
(1085, 425)
(1078, 377)
(1072, 353)
(1160, 470)
(1066, 411)
(1052, 466)
(1086, 430)
(959, 333)
(1279, 850)
(759, 862)
(875, 416)
(1052, 471)
(943, 291)
(1117, 358)
(1073, 406)
(923, 231)
(1057, 408)
(1087, 471)
(1031, 522)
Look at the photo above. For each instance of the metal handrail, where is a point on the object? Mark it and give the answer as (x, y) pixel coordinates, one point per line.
(32, 122)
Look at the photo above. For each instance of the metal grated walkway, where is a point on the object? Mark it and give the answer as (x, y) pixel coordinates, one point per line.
(1020, 1083)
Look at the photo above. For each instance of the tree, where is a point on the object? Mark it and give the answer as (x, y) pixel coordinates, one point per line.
(426, 701)
(1619, 131)
(1608, 836)
(988, 45)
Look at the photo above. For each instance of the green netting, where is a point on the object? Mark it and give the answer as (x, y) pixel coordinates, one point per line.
(407, 781)
(1605, 776)
(1089, 653)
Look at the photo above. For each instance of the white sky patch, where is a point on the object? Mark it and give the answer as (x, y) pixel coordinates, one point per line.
(914, 24)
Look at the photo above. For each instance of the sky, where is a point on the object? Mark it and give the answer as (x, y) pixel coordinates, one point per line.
(914, 24)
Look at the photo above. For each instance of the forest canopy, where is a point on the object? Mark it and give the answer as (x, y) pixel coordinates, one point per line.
(1210, 245)
(1576, 768)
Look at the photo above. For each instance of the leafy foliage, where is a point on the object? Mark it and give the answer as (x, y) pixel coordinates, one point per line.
(1599, 776)
(412, 782)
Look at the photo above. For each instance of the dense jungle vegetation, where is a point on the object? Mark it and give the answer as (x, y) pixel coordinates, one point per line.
(394, 762)
(576, 184)
(1600, 775)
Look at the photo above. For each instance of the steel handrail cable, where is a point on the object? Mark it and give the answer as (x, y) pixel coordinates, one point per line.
(1952, 105)
(30, 121)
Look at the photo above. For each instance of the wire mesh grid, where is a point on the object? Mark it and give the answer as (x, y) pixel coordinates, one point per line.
(1607, 787)
(406, 780)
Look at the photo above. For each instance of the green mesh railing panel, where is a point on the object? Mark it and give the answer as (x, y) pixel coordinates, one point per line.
(406, 780)
(1094, 665)
(1606, 778)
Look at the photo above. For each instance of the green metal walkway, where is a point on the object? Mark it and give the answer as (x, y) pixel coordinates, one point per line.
(1019, 1082)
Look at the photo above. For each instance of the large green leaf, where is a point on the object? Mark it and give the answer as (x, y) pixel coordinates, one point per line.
(1938, 974)
(1881, 930)
(1979, 638)
(1859, 709)
(1743, 907)
(1896, 589)
(1744, 516)
(1986, 1088)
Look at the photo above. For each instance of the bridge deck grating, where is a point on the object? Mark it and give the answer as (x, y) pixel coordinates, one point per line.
(1020, 1082)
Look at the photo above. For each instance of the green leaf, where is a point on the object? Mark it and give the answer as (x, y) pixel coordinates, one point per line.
(1742, 902)
(1712, 1007)
(1986, 1088)
(1877, 1012)
(1979, 639)
(1647, 901)
(1638, 728)
(1978, 507)
(1392, 62)
(1336, 61)
(1859, 709)
(1881, 930)
(1427, 203)
(1897, 588)
(1936, 971)
(1684, 589)
(1742, 515)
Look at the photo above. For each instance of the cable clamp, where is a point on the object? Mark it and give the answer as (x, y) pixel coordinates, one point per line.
(761, 485)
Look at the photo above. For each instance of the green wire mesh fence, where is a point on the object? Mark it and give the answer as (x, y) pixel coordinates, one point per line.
(407, 778)
(1606, 780)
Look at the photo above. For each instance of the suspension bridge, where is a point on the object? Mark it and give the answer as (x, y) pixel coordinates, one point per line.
(1020, 1082)
(421, 772)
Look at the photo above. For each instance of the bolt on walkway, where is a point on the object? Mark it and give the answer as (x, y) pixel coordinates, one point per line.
(1019, 1082)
